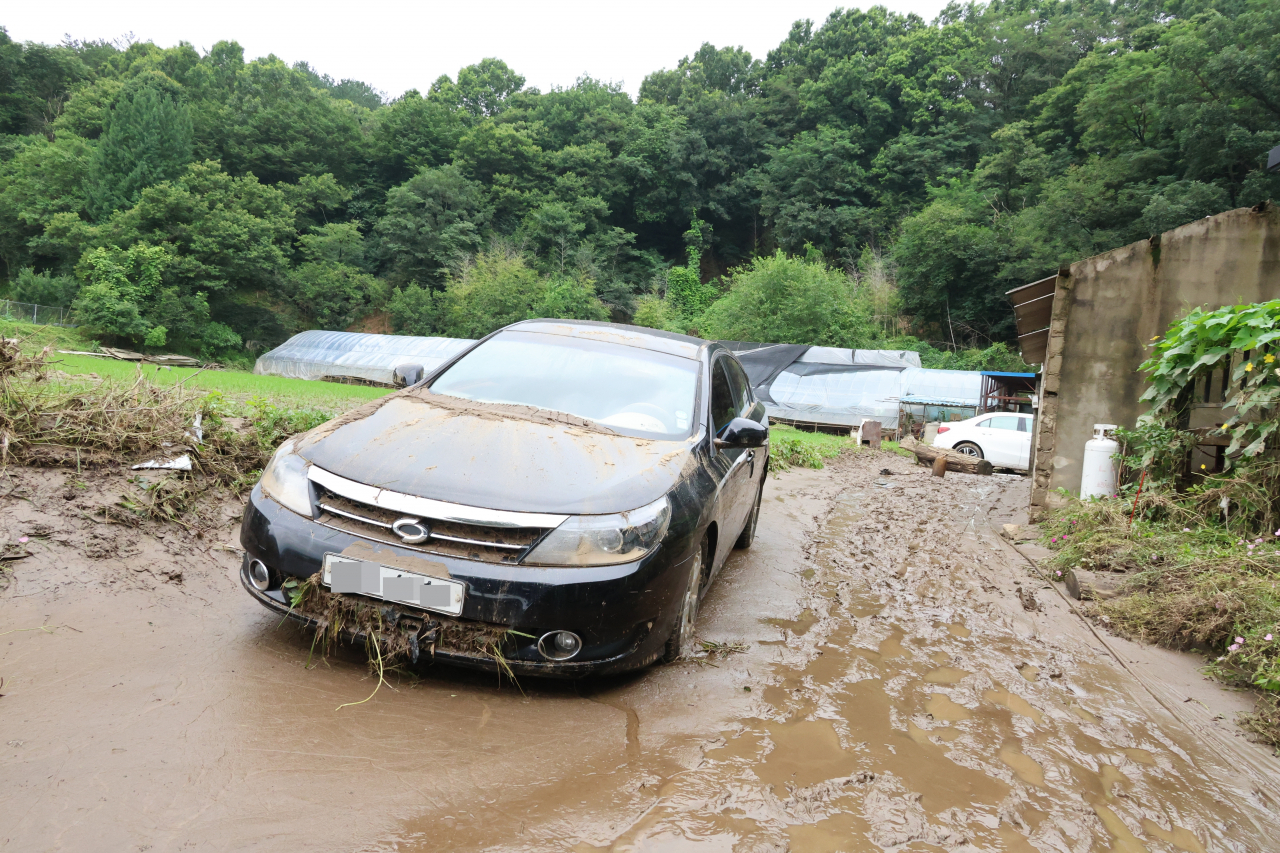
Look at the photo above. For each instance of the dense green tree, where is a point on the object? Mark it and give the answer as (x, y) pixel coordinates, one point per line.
(433, 220)
(278, 127)
(498, 288)
(147, 140)
(44, 288)
(35, 81)
(414, 132)
(483, 89)
(789, 300)
(38, 180)
(330, 288)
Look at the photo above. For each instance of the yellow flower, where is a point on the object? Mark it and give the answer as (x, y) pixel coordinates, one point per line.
(1270, 358)
(1201, 467)
(1248, 368)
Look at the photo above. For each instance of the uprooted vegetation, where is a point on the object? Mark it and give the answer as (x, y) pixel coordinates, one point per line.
(51, 419)
(389, 640)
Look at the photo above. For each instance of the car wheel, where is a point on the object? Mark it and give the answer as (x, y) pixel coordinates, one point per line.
(748, 534)
(968, 448)
(680, 643)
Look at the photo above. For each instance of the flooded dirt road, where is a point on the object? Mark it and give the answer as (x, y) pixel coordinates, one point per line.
(895, 693)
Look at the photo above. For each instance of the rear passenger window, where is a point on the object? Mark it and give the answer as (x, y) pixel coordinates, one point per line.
(724, 407)
(1009, 422)
(741, 386)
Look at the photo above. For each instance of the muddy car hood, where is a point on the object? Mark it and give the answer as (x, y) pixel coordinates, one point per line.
(498, 457)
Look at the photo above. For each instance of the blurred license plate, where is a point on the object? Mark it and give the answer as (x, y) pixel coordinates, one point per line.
(347, 574)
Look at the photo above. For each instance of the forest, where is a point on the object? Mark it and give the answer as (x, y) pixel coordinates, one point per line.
(876, 180)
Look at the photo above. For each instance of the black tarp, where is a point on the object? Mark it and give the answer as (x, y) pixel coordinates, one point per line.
(763, 362)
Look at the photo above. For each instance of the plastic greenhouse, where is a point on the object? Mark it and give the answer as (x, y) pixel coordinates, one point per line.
(318, 354)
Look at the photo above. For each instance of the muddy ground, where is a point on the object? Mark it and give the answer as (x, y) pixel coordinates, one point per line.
(909, 683)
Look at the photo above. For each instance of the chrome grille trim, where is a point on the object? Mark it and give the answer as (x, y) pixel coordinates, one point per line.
(353, 516)
(460, 540)
(428, 508)
(372, 538)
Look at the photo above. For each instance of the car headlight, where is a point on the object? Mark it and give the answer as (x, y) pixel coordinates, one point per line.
(285, 480)
(603, 540)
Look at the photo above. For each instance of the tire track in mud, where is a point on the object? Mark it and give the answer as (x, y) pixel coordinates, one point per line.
(916, 702)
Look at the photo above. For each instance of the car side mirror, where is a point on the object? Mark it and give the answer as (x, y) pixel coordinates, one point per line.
(408, 374)
(743, 432)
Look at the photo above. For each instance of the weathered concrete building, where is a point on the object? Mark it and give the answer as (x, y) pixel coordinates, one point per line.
(1090, 327)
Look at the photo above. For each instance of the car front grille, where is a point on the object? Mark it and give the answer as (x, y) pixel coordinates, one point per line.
(449, 538)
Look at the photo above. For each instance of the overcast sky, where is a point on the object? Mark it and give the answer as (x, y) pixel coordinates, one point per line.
(396, 46)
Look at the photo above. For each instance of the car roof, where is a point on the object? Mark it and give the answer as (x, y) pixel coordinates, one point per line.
(656, 340)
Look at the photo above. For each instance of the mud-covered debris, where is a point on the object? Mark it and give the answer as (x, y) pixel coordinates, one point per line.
(712, 647)
(1028, 599)
(400, 637)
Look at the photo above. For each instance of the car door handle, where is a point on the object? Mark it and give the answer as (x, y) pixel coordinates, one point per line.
(751, 458)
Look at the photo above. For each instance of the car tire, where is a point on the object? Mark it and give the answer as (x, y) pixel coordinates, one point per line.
(968, 448)
(748, 534)
(680, 643)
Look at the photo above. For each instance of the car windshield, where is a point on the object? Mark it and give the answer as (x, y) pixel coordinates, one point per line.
(625, 388)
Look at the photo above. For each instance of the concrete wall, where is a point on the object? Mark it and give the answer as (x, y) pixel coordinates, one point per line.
(1106, 311)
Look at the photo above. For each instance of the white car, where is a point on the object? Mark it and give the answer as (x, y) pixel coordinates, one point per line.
(1003, 438)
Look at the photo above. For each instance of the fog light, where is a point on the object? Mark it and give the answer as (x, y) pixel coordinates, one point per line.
(260, 575)
(559, 645)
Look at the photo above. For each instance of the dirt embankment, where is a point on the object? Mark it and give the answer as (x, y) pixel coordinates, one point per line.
(907, 684)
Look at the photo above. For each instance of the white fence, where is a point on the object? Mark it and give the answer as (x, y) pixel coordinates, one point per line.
(42, 315)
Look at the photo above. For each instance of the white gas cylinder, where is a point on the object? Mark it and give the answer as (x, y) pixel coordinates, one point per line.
(1099, 476)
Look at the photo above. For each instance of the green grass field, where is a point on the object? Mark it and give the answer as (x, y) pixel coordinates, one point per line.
(236, 385)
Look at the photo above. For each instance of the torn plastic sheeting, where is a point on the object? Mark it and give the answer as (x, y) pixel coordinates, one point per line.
(182, 463)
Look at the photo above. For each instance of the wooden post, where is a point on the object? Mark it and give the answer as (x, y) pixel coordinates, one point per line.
(940, 466)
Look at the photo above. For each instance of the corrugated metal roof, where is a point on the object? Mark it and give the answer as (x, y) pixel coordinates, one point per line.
(1033, 309)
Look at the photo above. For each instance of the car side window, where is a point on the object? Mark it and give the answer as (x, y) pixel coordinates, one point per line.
(741, 387)
(984, 424)
(1009, 422)
(723, 406)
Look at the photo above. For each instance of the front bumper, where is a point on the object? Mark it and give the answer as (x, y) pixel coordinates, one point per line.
(623, 613)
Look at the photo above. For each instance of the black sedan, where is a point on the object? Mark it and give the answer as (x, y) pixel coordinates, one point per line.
(570, 487)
